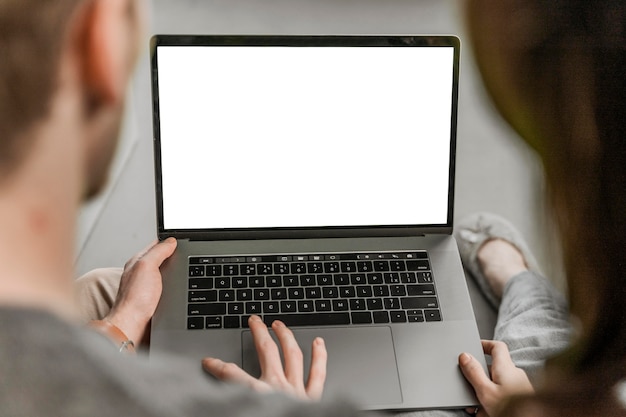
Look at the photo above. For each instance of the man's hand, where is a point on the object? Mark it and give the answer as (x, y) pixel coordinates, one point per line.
(289, 379)
(140, 290)
(506, 379)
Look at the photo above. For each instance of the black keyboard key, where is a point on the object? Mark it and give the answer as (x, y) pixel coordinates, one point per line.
(381, 317)
(312, 319)
(253, 307)
(374, 304)
(232, 322)
(397, 316)
(247, 269)
(296, 293)
(298, 268)
(340, 305)
(306, 306)
(291, 281)
(364, 266)
(244, 295)
(381, 266)
(209, 309)
(432, 315)
(202, 296)
(408, 277)
(397, 265)
(357, 304)
(213, 322)
(223, 282)
(288, 306)
(274, 281)
(307, 280)
(361, 317)
(235, 308)
(196, 271)
(264, 269)
(330, 292)
(392, 278)
(418, 302)
(380, 290)
(261, 294)
(358, 279)
(424, 277)
(278, 294)
(256, 282)
(398, 290)
(271, 307)
(375, 278)
(391, 303)
(331, 267)
(213, 270)
(200, 283)
(313, 292)
(324, 280)
(347, 292)
(415, 316)
(323, 305)
(231, 270)
(419, 265)
(425, 289)
(194, 323)
(342, 279)
(281, 269)
(227, 295)
(348, 266)
(364, 291)
(239, 282)
(315, 268)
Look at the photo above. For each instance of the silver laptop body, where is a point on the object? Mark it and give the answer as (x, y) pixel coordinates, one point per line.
(288, 164)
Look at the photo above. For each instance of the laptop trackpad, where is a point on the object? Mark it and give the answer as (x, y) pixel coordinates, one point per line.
(361, 362)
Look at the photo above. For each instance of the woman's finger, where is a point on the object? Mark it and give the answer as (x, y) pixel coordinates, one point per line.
(474, 373)
(317, 373)
(292, 354)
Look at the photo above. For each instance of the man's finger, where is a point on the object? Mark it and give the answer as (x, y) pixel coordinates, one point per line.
(160, 252)
(317, 373)
(292, 354)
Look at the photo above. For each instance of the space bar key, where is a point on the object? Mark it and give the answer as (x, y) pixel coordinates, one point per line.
(319, 319)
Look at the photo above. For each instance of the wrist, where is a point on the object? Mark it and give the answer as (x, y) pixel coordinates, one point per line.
(114, 334)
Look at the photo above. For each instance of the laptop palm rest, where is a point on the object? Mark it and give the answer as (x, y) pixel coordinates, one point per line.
(361, 362)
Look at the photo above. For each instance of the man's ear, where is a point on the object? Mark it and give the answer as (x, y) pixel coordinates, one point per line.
(105, 43)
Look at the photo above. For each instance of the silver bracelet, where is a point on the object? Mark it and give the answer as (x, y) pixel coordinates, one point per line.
(125, 344)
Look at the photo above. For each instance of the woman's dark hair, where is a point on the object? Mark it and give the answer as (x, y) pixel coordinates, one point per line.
(556, 70)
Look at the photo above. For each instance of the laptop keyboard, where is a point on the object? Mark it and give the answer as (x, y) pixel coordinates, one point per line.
(311, 290)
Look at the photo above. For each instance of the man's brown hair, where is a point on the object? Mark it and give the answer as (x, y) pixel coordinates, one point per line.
(31, 35)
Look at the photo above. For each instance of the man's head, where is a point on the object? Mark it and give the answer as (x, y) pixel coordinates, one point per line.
(48, 47)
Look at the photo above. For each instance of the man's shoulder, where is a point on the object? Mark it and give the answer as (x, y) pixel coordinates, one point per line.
(55, 368)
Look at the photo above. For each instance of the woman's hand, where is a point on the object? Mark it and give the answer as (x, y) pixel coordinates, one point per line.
(506, 379)
(275, 377)
(140, 290)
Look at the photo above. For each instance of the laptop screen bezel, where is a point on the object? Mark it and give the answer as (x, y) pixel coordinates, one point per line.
(302, 41)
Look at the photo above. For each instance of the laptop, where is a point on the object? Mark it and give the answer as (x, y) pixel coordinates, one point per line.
(311, 179)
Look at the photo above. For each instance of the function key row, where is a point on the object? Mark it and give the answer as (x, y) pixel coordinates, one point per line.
(204, 260)
(214, 270)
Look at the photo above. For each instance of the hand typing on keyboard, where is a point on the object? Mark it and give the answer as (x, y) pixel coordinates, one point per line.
(275, 376)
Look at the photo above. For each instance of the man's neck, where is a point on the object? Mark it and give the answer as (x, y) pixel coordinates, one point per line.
(38, 208)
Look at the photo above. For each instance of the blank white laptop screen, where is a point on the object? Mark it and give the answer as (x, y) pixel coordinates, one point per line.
(266, 137)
